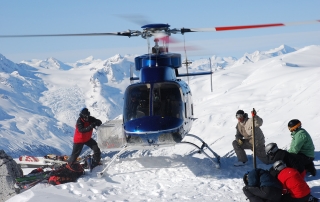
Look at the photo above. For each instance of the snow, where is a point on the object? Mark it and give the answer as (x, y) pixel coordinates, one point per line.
(281, 84)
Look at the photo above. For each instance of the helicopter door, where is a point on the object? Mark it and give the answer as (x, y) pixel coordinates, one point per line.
(136, 102)
(166, 100)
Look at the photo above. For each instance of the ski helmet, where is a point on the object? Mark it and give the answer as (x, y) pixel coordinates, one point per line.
(84, 113)
(279, 165)
(271, 149)
(294, 124)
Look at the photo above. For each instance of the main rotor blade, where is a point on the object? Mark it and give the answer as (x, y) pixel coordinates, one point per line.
(86, 34)
(230, 28)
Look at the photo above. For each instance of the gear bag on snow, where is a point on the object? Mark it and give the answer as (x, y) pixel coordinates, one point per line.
(66, 173)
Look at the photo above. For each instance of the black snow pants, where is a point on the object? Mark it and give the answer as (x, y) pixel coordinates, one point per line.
(262, 194)
(288, 198)
(77, 148)
(308, 163)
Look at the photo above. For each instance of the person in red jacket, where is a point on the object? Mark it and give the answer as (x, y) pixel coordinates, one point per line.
(295, 189)
(82, 136)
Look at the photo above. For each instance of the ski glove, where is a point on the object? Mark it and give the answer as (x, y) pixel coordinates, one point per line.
(239, 142)
(253, 113)
(98, 123)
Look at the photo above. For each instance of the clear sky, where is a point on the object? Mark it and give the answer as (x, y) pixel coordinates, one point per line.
(79, 16)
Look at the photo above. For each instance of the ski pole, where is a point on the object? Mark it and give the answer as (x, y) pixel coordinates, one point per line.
(253, 113)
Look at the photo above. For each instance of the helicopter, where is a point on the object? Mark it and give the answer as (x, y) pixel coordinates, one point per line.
(158, 110)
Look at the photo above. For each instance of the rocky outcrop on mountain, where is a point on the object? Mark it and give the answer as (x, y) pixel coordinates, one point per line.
(9, 171)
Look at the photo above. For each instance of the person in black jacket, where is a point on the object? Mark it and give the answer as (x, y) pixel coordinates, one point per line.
(291, 160)
(261, 186)
(83, 136)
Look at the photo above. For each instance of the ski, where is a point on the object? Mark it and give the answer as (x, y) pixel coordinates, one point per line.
(41, 163)
(26, 182)
(32, 176)
(47, 161)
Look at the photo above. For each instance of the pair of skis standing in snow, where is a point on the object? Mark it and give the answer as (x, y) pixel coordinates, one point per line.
(285, 179)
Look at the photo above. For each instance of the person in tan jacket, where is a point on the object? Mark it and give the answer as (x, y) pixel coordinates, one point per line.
(244, 138)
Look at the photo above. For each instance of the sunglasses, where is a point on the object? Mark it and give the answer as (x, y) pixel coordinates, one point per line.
(238, 116)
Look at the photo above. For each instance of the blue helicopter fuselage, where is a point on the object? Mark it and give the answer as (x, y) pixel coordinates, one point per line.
(158, 110)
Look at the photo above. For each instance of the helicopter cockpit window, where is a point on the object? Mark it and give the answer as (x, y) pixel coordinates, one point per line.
(136, 102)
(166, 100)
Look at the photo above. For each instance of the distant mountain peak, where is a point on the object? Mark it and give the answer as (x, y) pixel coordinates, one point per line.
(262, 55)
(86, 60)
(115, 58)
(283, 49)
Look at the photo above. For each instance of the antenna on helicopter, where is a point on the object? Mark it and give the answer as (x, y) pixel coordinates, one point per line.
(186, 62)
(131, 74)
(211, 74)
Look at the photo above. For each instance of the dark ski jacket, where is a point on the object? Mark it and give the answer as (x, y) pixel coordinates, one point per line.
(84, 129)
(293, 183)
(262, 178)
(262, 185)
(291, 160)
(301, 143)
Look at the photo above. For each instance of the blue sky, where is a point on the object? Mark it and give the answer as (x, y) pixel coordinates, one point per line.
(58, 16)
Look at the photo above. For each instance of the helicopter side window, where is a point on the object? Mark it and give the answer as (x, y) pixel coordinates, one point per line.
(167, 101)
(175, 105)
(136, 103)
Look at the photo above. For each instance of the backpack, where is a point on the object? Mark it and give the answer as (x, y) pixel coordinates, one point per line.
(66, 173)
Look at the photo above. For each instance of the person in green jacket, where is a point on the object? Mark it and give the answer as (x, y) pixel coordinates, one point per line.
(302, 145)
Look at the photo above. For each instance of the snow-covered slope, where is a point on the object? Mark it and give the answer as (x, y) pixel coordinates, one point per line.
(27, 126)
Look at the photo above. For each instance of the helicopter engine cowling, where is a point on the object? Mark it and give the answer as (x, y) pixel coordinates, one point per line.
(172, 60)
(158, 74)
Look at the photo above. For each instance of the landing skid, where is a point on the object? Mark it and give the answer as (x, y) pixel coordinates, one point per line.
(201, 150)
(204, 145)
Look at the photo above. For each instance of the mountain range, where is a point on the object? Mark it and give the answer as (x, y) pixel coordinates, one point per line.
(41, 99)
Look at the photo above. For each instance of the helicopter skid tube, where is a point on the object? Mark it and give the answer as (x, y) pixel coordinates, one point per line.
(100, 174)
(124, 149)
(205, 145)
(216, 163)
(129, 147)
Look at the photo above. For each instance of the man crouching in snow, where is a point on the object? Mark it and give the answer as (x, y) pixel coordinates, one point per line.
(244, 138)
